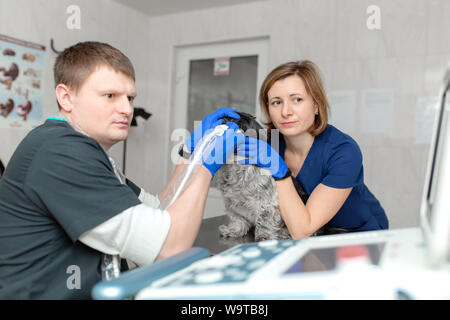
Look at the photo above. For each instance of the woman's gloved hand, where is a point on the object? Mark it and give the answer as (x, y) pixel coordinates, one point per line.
(211, 121)
(260, 153)
(214, 158)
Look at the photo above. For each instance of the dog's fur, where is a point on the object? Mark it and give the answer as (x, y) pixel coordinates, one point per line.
(250, 194)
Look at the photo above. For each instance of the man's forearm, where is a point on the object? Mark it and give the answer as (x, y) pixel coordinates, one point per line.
(187, 214)
(165, 193)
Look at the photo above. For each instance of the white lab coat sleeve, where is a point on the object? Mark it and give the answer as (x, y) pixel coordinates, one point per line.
(149, 199)
(136, 234)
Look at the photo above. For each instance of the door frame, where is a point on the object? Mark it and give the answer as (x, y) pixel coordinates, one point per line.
(181, 57)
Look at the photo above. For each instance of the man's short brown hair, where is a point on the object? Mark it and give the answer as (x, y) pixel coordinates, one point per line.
(76, 63)
(310, 75)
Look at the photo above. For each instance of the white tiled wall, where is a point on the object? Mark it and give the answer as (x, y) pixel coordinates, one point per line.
(101, 20)
(407, 56)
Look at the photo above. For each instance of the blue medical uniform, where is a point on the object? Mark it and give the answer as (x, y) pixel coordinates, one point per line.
(335, 160)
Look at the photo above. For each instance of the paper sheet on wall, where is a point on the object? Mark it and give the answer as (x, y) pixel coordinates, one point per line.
(343, 110)
(22, 66)
(425, 117)
(377, 110)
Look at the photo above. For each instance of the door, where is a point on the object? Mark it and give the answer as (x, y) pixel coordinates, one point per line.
(208, 77)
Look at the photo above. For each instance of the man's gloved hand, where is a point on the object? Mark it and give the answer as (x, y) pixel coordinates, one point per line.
(260, 153)
(214, 158)
(211, 121)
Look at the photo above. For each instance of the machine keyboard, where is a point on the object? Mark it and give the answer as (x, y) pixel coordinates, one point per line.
(231, 266)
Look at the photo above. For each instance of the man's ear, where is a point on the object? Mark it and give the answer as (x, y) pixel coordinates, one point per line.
(64, 97)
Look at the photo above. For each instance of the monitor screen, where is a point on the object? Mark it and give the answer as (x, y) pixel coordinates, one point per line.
(325, 259)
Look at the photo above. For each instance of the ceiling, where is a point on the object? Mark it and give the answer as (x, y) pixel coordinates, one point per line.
(162, 7)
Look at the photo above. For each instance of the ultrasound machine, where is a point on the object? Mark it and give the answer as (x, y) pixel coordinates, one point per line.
(411, 263)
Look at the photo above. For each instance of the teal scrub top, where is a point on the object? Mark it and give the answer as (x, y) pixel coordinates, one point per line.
(57, 185)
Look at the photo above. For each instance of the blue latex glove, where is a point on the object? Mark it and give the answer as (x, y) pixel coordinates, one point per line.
(224, 147)
(260, 153)
(211, 121)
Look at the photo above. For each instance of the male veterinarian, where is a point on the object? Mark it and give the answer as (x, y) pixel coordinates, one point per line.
(64, 207)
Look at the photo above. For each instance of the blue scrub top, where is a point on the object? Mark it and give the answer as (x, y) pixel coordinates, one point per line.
(335, 160)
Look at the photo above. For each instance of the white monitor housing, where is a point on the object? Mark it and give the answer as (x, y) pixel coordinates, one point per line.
(435, 205)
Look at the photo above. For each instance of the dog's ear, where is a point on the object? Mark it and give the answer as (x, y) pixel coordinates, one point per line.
(300, 190)
(246, 122)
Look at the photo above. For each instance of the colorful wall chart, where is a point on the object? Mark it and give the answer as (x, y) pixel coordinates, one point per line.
(22, 66)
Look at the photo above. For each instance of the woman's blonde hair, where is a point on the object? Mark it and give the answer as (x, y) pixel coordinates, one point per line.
(310, 75)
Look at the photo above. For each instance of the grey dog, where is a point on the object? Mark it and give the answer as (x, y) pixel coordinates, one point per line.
(250, 194)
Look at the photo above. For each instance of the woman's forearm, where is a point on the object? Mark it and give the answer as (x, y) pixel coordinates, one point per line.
(293, 211)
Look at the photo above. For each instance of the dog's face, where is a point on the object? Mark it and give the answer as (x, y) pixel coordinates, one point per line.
(247, 123)
(252, 128)
(249, 126)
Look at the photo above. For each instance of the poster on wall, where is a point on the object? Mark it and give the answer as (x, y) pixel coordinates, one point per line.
(377, 111)
(22, 66)
(426, 108)
(343, 110)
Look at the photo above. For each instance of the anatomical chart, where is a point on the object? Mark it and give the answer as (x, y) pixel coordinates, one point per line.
(22, 66)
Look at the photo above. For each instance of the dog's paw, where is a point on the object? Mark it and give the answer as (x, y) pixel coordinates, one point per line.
(280, 234)
(231, 231)
(284, 234)
(262, 238)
